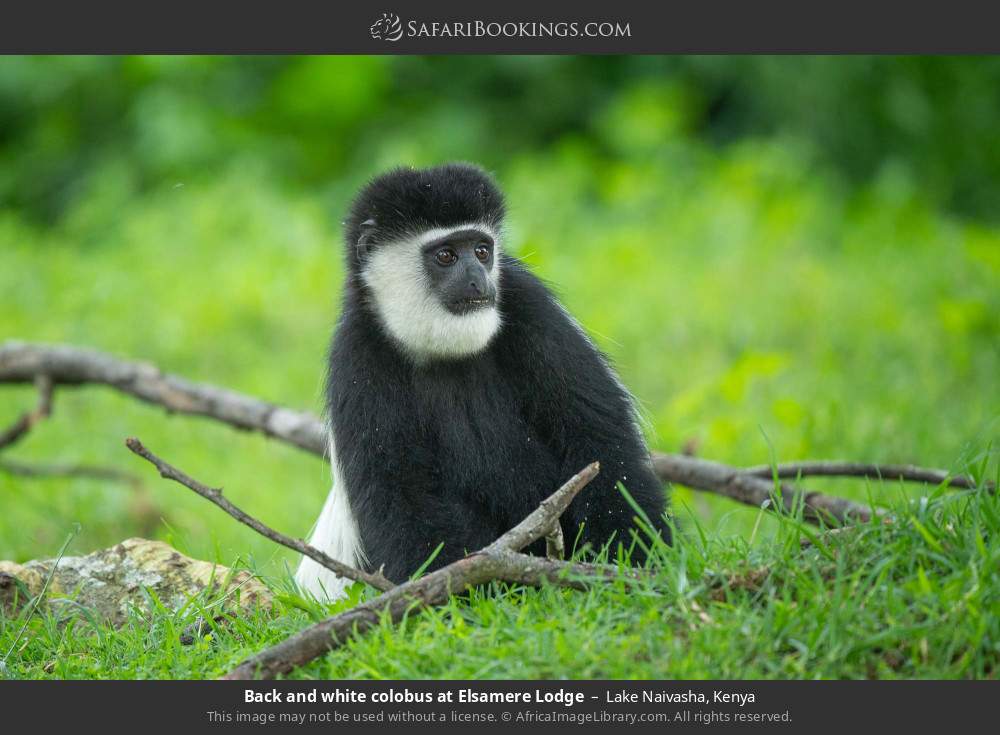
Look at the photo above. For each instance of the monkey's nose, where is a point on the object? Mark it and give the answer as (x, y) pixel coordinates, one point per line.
(476, 280)
(474, 292)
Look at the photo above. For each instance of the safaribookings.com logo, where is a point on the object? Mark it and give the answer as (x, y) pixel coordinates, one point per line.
(390, 28)
(387, 28)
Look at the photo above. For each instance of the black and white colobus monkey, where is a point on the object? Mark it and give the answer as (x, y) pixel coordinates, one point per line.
(460, 392)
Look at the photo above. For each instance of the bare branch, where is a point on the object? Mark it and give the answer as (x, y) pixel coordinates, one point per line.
(16, 431)
(702, 474)
(496, 562)
(432, 590)
(22, 362)
(65, 365)
(215, 495)
(92, 472)
(499, 561)
(832, 468)
(540, 520)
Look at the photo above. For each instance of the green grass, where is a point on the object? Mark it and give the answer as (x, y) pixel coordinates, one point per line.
(917, 598)
(752, 301)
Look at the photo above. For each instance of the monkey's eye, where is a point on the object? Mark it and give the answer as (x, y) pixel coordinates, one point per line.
(483, 253)
(445, 256)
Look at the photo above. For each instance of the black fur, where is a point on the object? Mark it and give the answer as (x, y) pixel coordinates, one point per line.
(458, 451)
(406, 201)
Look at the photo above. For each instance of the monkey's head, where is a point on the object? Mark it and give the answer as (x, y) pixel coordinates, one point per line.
(424, 246)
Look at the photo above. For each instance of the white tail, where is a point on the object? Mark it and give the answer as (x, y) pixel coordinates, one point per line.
(336, 533)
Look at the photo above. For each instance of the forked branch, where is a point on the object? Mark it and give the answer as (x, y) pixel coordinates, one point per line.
(501, 561)
(715, 477)
(215, 496)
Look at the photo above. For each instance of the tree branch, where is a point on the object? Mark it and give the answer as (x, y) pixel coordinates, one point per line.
(22, 362)
(832, 468)
(93, 472)
(65, 365)
(539, 522)
(500, 560)
(702, 474)
(433, 590)
(215, 495)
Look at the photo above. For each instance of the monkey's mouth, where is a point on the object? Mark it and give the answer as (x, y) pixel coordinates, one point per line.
(464, 306)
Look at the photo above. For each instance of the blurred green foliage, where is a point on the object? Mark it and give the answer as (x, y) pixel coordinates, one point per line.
(787, 255)
(67, 124)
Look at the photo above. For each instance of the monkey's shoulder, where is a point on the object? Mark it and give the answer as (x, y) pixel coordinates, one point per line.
(538, 333)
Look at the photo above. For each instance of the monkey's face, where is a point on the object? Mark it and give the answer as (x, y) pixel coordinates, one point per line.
(426, 245)
(459, 270)
(437, 292)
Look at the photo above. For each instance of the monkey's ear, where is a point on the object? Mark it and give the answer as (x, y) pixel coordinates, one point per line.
(366, 239)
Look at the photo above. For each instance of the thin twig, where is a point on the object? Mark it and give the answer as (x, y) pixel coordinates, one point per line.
(832, 468)
(16, 431)
(215, 496)
(92, 472)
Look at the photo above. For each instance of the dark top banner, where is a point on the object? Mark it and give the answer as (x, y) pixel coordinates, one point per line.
(514, 27)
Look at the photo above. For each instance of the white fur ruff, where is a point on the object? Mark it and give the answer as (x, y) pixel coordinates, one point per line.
(412, 314)
(336, 533)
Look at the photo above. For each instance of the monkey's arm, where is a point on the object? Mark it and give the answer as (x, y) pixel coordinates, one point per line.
(576, 403)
